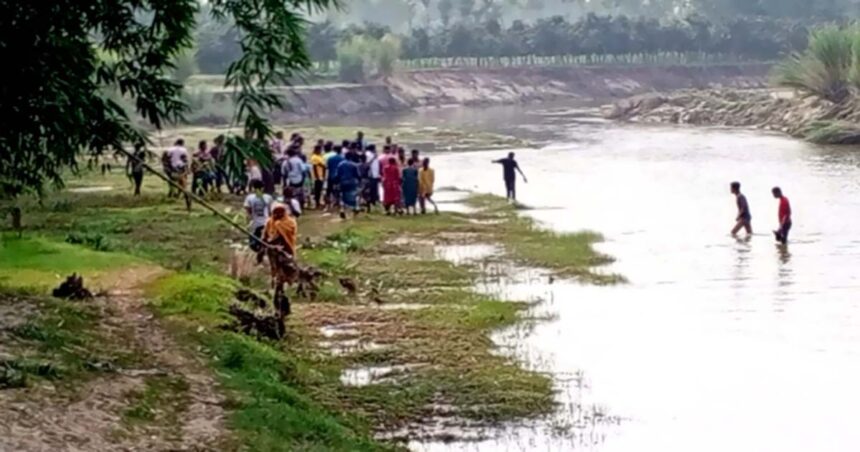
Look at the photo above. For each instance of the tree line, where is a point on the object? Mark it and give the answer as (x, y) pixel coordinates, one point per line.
(595, 38)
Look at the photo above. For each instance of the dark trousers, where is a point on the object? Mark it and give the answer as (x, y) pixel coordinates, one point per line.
(137, 177)
(373, 191)
(511, 188)
(268, 181)
(782, 233)
(318, 192)
(255, 245)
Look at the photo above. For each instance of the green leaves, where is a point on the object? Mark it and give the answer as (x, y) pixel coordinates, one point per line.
(273, 51)
(827, 67)
(76, 60)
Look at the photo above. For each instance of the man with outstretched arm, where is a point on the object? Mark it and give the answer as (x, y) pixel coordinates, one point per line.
(510, 167)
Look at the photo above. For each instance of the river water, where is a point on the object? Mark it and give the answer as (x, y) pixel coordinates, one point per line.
(716, 344)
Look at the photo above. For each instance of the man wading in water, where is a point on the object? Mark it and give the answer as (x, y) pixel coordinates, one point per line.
(744, 219)
(510, 168)
(781, 234)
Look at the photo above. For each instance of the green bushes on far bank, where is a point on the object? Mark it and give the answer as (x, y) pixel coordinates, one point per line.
(829, 67)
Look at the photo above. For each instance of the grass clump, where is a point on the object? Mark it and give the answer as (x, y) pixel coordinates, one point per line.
(568, 254)
(54, 340)
(270, 386)
(832, 132)
(825, 67)
(196, 297)
(38, 262)
(161, 401)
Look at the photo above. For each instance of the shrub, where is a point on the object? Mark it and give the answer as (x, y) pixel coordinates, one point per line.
(363, 56)
(826, 67)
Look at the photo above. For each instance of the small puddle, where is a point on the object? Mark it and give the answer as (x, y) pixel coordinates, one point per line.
(467, 254)
(331, 331)
(96, 189)
(350, 346)
(364, 376)
(403, 306)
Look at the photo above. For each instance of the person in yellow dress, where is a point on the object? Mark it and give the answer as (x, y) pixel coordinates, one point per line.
(426, 179)
(318, 170)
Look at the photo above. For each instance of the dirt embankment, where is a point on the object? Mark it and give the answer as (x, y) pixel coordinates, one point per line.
(432, 88)
(807, 117)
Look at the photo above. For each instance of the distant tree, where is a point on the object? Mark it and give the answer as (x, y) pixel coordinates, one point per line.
(445, 8)
(217, 43)
(322, 41)
(465, 8)
(418, 44)
(66, 52)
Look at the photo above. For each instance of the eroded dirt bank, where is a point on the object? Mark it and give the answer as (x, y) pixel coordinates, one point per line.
(807, 117)
(433, 88)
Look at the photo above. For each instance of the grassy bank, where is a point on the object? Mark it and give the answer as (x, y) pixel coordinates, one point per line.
(414, 318)
(407, 135)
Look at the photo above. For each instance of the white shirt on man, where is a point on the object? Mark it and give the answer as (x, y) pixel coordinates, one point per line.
(260, 206)
(374, 165)
(178, 156)
(279, 149)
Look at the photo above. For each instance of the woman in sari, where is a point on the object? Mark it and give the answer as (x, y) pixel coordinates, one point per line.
(391, 185)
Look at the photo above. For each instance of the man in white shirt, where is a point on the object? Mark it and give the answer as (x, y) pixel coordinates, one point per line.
(374, 175)
(294, 169)
(258, 207)
(175, 162)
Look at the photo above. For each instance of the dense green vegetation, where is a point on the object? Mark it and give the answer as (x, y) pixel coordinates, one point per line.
(590, 40)
(436, 33)
(362, 51)
(404, 15)
(73, 59)
(828, 68)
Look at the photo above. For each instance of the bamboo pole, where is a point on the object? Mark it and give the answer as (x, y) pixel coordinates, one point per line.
(197, 199)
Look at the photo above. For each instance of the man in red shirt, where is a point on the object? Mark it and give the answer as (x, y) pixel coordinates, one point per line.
(784, 216)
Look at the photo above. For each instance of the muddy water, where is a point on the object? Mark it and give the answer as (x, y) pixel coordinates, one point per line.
(716, 344)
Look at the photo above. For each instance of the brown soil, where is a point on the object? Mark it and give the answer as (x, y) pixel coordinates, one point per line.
(408, 90)
(90, 417)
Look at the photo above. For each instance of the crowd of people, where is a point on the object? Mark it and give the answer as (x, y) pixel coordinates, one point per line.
(348, 177)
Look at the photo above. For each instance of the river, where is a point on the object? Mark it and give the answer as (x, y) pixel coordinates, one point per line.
(715, 344)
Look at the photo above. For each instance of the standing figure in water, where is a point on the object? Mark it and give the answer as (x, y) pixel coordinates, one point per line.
(744, 218)
(784, 214)
(510, 168)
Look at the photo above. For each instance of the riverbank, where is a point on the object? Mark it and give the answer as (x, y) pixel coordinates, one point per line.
(806, 117)
(410, 344)
(409, 90)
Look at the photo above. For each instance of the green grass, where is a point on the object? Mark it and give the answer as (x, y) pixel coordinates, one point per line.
(425, 138)
(568, 254)
(832, 132)
(269, 385)
(288, 396)
(200, 298)
(39, 263)
(58, 340)
(162, 401)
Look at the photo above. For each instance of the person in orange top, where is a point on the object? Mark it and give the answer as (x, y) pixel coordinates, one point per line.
(281, 234)
(281, 229)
